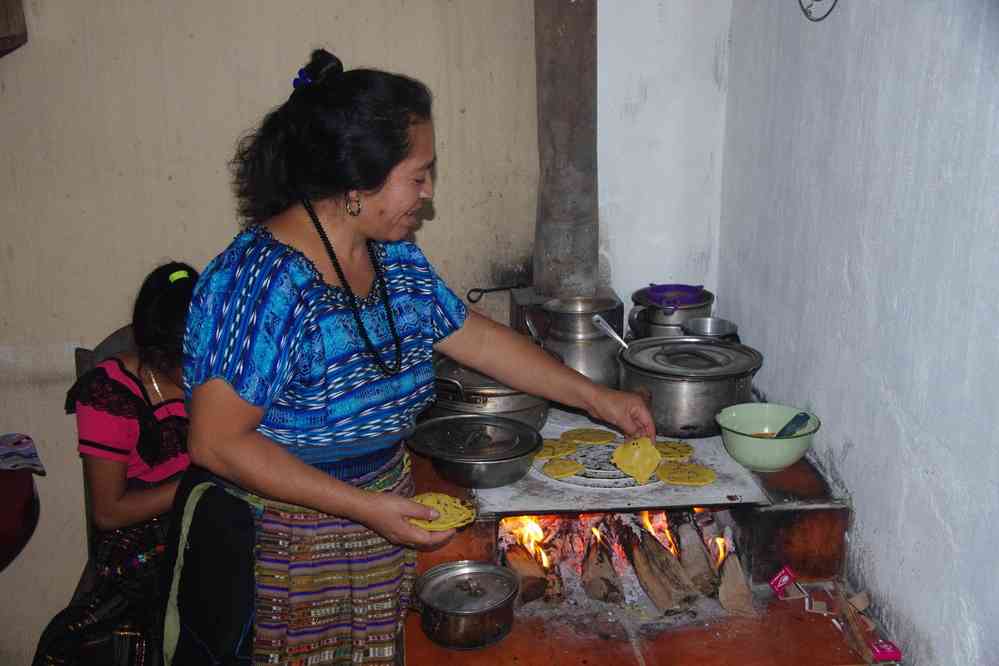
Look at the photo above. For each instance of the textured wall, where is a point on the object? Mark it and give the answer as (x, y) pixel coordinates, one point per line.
(858, 246)
(661, 81)
(116, 122)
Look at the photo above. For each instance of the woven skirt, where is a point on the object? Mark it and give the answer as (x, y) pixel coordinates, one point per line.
(325, 590)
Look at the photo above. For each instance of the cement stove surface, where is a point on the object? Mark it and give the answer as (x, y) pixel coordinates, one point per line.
(538, 493)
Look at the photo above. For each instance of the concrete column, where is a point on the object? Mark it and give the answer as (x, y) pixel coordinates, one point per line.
(566, 232)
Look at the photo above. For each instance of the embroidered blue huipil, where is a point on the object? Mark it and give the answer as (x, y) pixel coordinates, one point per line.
(263, 320)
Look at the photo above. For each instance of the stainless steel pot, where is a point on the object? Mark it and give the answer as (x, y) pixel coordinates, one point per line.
(477, 451)
(466, 605)
(568, 331)
(649, 319)
(461, 390)
(690, 379)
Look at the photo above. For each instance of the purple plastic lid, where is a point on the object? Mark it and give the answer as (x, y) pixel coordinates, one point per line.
(675, 295)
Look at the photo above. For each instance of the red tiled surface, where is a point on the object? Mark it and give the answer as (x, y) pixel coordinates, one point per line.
(783, 636)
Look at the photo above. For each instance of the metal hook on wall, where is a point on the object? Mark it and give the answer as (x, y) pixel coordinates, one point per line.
(811, 14)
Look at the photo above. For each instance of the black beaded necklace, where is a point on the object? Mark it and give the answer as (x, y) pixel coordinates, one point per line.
(354, 308)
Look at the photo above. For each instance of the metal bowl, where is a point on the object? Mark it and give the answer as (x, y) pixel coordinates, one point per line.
(714, 327)
(477, 451)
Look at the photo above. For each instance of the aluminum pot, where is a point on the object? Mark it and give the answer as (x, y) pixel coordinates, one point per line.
(568, 331)
(649, 318)
(477, 451)
(461, 390)
(689, 379)
(466, 605)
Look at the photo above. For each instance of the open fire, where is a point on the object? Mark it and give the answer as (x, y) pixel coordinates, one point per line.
(669, 560)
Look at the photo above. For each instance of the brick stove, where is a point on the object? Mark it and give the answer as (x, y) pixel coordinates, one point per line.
(776, 519)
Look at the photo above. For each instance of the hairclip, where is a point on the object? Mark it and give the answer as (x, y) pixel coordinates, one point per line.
(303, 79)
(178, 275)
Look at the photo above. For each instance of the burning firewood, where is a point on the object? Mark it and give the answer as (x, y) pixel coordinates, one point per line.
(733, 592)
(695, 560)
(659, 573)
(600, 580)
(533, 581)
(555, 588)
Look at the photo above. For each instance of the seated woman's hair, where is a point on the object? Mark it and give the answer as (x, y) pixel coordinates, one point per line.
(160, 314)
(338, 131)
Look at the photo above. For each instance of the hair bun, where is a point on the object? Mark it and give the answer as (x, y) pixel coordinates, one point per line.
(323, 65)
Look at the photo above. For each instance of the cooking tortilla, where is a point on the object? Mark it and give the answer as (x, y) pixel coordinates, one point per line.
(674, 451)
(555, 448)
(684, 474)
(588, 436)
(452, 511)
(559, 468)
(638, 459)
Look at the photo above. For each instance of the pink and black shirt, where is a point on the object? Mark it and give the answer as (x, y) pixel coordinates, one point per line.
(116, 420)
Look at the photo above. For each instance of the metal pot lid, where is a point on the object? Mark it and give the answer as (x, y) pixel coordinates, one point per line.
(466, 587)
(691, 357)
(452, 374)
(474, 438)
(673, 296)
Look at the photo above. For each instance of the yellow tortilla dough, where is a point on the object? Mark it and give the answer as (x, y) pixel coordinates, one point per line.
(588, 436)
(555, 448)
(674, 451)
(559, 468)
(637, 458)
(452, 511)
(680, 474)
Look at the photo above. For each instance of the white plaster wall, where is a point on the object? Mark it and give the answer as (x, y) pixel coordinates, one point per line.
(858, 252)
(661, 83)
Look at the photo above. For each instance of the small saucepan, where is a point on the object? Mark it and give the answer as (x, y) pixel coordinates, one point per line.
(466, 605)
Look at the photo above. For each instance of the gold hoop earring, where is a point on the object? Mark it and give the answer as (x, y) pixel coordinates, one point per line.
(353, 206)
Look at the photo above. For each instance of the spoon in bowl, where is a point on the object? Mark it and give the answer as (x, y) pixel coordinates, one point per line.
(794, 425)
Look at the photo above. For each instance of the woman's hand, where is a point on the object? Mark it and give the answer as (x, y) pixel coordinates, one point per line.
(389, 516)
(628, 411)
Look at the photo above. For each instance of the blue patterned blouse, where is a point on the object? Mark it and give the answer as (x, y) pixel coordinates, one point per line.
(263, 320)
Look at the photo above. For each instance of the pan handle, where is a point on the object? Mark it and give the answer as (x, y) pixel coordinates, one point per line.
(455, 383)
(475, 295)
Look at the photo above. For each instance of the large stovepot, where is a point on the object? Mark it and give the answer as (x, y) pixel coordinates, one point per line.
(461, 390)
(568, 331)
(689, 379)
(466, 605)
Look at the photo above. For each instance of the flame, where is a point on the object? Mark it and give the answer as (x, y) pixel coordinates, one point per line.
(699, 509)
(722, 547)
(529, 534)
(597, 534)
(662, 521)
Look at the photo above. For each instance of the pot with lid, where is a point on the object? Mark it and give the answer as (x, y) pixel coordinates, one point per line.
(661, 309)
(466, 605)
(570, 333)
(461, 390)
(690, 379)
(477, 451)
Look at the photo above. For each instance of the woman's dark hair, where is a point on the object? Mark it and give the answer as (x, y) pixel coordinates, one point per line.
(160, 314)
(338, 131)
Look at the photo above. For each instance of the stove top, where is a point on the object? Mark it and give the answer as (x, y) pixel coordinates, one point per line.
(602, 487)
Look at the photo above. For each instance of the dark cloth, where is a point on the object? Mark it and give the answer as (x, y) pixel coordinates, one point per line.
(115, 622)
(215, 591)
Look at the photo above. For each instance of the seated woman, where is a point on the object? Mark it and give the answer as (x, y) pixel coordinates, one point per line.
(132, 428)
